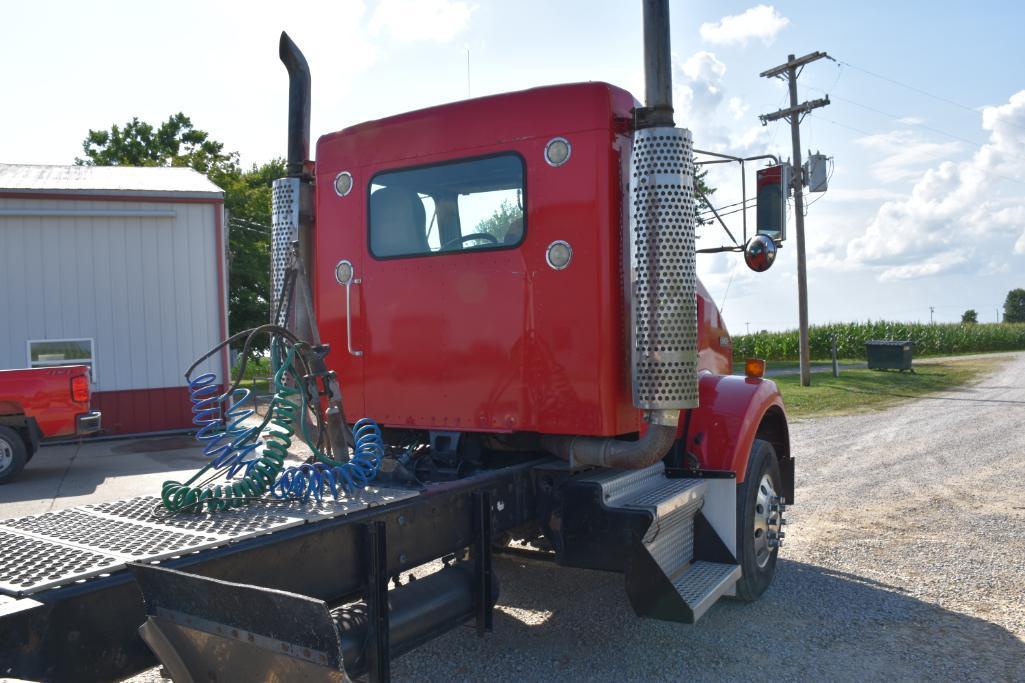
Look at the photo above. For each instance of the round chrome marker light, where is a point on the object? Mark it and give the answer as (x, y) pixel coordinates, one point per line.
(343, 272)
(559, 254)
(343, 183)
(557, 151)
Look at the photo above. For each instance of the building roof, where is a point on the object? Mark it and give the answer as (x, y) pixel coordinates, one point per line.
(128, 181)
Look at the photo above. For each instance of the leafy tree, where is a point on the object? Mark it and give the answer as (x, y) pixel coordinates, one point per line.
(176, 142)
(498, 223)
(1014, 306)
(969, 317)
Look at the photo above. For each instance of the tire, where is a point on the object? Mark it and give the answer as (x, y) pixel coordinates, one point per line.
(757, 558)
(13, 454)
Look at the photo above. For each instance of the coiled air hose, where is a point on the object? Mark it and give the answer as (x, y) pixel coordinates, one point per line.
(261, 473)
(302, 481)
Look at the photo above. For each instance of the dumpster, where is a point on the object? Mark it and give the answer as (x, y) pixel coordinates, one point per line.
(889, 355)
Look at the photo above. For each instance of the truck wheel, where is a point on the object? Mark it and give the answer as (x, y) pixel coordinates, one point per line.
(12, 454)
(758, 521)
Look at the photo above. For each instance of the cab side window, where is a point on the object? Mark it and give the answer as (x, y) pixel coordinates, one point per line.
(467, 205)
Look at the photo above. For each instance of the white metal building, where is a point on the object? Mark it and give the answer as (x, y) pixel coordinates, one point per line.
(119, 268)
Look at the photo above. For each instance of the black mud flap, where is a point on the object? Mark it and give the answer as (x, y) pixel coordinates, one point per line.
(205, 629)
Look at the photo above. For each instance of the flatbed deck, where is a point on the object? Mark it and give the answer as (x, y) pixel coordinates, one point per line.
(70, 609)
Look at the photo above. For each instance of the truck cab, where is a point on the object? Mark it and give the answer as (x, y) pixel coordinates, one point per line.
(482, 249)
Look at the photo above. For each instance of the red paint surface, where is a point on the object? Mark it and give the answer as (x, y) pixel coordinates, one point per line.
(487, 340)
(497, 340)
(144, 410)
(723, 428)
(44, 394)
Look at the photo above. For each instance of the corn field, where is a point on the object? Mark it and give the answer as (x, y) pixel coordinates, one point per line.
(929, 339)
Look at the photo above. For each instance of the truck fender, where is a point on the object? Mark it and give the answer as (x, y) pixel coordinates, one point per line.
(734, 410)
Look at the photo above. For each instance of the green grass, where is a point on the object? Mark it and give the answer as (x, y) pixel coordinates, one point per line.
(856, 391)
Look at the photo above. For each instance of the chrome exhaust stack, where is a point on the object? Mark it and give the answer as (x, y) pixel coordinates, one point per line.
(662, 209)
(662, 277)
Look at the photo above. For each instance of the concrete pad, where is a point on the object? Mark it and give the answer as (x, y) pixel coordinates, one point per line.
(65, 475)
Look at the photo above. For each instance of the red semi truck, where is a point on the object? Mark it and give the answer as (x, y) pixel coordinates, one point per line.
(38, 404)
(507, 286)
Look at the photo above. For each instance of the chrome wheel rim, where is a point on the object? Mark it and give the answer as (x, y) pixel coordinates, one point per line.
(6, 455)
(767, 521)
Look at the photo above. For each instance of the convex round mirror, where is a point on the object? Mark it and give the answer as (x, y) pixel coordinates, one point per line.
(759, 253)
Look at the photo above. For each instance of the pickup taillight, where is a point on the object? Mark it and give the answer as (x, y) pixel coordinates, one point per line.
(80, 389)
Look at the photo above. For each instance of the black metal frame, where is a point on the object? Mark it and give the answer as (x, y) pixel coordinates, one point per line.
(88, 632)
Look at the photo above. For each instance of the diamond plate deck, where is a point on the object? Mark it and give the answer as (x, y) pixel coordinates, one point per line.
(57, 548)
(227, 525)
(29, 565)
(120, 538)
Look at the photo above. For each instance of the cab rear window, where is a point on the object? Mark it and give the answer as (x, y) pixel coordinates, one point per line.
(453, 207)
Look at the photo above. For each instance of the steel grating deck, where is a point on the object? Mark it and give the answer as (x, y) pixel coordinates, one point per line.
(57, 548)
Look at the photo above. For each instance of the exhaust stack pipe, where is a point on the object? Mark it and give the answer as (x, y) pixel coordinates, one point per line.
(662, 277)
(298, 105)
(658, 67)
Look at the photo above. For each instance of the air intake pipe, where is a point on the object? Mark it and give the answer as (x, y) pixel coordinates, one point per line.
(662, 277)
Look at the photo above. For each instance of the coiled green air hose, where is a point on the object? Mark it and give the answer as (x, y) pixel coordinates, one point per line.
(193, 497)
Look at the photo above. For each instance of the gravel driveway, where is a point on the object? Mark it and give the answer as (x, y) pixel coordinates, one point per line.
(904, 560)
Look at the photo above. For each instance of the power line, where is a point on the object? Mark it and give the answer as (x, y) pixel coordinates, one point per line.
(920, 91)
(902, 119)
(865, 132)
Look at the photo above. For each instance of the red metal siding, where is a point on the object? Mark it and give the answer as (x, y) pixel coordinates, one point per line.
(144, 410)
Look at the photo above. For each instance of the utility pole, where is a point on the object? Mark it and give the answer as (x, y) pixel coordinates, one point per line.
(793, 114)
(931, 309)
(748, 327)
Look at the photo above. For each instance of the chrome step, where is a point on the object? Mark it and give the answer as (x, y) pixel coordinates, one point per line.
(704, 583)
(665, 578)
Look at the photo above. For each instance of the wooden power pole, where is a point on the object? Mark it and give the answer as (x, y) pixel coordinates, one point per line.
(794, 113)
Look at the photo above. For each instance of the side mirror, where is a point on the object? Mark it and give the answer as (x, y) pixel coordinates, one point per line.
(773, 188)
(760, 253)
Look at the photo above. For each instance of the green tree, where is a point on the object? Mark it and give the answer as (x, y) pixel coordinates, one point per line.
(498, 223)
(176, 142)
(1014, 306)
(969, 317)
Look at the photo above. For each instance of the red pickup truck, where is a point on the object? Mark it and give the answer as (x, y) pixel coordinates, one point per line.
(41, 403)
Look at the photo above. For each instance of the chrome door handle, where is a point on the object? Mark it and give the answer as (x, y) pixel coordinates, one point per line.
(344, 275)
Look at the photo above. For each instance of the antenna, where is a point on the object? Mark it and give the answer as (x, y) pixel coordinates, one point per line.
(467, 71)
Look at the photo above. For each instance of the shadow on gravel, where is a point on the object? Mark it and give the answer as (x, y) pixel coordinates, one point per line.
(813, 624)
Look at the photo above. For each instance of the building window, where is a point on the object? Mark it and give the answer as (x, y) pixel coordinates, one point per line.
(466, 205)
(49, 352)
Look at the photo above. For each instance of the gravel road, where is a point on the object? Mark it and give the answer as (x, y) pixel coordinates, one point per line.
(903, 561)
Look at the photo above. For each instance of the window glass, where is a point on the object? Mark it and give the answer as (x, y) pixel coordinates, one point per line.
(452, 207)
(47, 352)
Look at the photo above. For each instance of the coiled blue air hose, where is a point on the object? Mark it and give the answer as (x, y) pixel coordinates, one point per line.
(339, 477)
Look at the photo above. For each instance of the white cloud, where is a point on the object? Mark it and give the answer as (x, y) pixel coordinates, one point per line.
(905, 154)
(737, 108)
(960, 216)
(408, 21)
(763, 22)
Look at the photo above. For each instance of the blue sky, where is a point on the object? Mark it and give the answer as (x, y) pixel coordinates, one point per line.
(926, 205)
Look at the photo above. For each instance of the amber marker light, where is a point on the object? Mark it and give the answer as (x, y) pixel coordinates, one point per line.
(754, 367)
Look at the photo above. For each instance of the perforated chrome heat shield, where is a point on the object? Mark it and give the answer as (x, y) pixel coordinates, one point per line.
(663, 282)
(284, 231)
